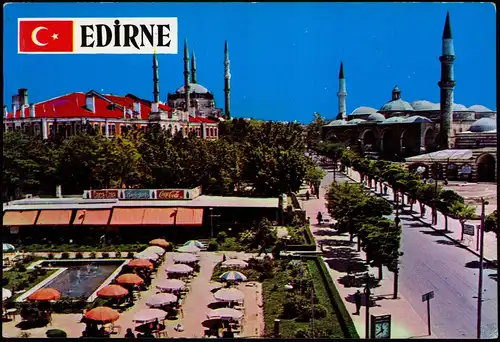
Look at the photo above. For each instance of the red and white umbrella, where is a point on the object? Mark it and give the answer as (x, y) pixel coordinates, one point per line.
(225, 314)
(149, 315)
(161, 299)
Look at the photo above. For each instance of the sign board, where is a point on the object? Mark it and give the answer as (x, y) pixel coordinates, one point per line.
(380, 327)
(428, 296)
(469, 229)
(137, 194)
(169, 194)
(104, 194)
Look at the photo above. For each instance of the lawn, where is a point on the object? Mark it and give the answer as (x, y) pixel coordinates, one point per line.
(275, 295)
(18, 279)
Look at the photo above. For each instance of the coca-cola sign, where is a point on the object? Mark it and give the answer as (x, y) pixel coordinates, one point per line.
(169, 194)
(104, 194)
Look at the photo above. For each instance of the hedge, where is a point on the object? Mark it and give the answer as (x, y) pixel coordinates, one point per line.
(344, 318)
(308, 247)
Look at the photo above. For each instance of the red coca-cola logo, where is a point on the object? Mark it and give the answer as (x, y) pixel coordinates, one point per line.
(169, 194)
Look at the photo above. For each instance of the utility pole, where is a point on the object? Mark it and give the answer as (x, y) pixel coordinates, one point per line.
(481, 264)
(367, 313)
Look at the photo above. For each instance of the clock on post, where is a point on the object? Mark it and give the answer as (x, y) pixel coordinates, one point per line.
(380, 327)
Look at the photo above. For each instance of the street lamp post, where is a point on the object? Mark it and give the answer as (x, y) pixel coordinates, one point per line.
(367, 313)
(211, 223)
(481, 268)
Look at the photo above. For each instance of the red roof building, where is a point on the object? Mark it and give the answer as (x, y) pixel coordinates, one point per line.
(108, 114)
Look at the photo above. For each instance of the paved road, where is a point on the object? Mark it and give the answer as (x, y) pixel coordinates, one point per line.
(431, 263)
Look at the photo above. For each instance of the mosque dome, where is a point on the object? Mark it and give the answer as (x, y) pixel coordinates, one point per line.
(194, 88)
(395, 119)
(459, 108)
(483, 125)
(363, 110)
(479, 108)
(423, 105)
(397, 106)
(336, 123)
(376, 117)
(355, 121)
(417, 118)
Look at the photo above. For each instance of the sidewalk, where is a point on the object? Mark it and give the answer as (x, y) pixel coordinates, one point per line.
(454, 226)
(338, 252)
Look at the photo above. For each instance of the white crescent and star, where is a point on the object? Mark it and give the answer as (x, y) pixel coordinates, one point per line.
(34, 37)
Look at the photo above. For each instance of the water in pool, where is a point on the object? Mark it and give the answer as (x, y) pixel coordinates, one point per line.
(81, 278)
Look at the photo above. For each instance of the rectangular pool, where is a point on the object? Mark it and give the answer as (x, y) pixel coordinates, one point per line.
(81, 277)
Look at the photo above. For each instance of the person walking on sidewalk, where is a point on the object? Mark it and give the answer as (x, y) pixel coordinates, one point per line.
(357, 301)
(307, 195)
(319, 217)
(385, 190)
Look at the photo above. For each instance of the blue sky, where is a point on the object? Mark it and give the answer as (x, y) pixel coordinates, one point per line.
(284, 56)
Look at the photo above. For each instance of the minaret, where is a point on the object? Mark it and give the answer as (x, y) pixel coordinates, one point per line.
(447, 84)
(186, 76)
(342, 94)
(193, 68)
(227, 80)
(156, 80)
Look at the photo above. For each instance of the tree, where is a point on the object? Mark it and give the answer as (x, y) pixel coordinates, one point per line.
(446, 200)
(314, 131)
(491, 222)
(314, 176)
(266, 235)
(463, 212)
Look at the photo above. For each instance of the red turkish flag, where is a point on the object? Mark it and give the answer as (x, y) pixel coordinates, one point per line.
(45, 36)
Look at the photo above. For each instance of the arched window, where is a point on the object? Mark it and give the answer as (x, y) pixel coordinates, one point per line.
(211, 131)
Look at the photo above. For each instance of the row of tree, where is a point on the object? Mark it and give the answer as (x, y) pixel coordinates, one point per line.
(365, 216)
(249, 158)
(404, 182)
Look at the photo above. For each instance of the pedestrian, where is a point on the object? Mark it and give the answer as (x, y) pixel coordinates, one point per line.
(307, 195)
(319, 217)
(423, 211)
(223, 257)
(357, 301)
(385, 190)
(129, 333)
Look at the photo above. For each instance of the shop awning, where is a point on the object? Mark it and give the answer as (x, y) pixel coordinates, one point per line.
(19, 217)
(159, 216)
(189, 217)
(54, 217)
(127, 216)
(92, 217)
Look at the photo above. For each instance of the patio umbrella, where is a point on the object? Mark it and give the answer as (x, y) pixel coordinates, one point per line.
(8, 247)
(170, 285)
(235, 263)
(161, 299)
(102, 314)
(188, 249)
(179, 268)
(225, 314)
(212, 323)
(130, 279)
(195, 243)
(147, 255)
(229, 295)
(149, 315)
(140, 263)
(154, 249)
(112, 291)
(56, 333)
(6, 294)
(159, 242)
(233, 276)
(45, 295)
(185, 258)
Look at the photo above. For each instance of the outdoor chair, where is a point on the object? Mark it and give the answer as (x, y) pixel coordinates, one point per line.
(113, 329)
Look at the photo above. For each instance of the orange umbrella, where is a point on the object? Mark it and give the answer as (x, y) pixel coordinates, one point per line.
(159, 242)
(130, 279)
(102, 314)
(144, 263)
(112, 291)
(45, 295)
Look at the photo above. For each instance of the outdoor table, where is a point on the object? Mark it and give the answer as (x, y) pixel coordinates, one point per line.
(11, 313)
